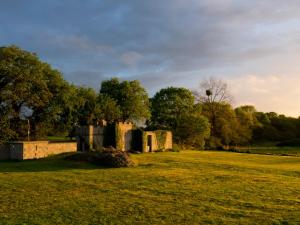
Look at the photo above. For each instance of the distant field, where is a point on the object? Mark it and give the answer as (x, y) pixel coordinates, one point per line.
(189, 187)
(284, 151)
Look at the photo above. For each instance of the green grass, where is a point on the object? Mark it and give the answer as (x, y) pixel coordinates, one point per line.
(58, 138)
(166, 188)
(284, 151)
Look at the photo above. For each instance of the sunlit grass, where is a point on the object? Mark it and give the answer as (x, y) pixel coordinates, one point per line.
(284, 151)
(165, 188)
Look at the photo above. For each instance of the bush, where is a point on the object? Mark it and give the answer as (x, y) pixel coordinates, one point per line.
(109, 157)
(176, 148)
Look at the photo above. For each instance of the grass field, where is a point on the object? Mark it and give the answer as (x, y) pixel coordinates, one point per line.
(188, 187)
(284, 151)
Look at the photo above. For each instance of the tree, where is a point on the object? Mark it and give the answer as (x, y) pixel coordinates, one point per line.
(87, 107)
(6, 133)
(192, 129)
(174, 109)
(131, 98)
(246, 116)
(216, 99)
(213, 90)
(109, 110)
(226, 126)
(30, 90)
(214, 93)
(168, 105)
(276, 128)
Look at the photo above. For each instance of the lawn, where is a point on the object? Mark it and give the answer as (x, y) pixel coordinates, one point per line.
(284, 151)
(189, 187)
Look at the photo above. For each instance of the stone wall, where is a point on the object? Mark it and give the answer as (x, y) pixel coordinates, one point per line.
(36, 149)
(89, 137)
(120, 135)
(169, 140)
(123, 136)
(149, 147)
(16, 150)
(157, 140)
(84, 138)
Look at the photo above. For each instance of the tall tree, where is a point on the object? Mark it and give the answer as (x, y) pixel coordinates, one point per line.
(130, 96)
(175, 109)
(87, 108)
(215, 96)
(170, 104)
(30, 90)
(246, 116)
(109, 110)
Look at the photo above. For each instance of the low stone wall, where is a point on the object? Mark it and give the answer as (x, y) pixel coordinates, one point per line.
(35, 149)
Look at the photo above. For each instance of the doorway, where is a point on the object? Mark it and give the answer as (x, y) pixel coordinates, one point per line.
(149, 143)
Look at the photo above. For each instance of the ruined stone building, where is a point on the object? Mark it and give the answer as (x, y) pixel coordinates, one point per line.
(122, 136)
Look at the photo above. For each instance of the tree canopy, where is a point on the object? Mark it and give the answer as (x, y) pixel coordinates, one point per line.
(35, 98)
(131, 98)
(29, 90)
(175, 109)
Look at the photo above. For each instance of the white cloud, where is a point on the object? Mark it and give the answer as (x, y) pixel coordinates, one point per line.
(130, 58)
(276, 93)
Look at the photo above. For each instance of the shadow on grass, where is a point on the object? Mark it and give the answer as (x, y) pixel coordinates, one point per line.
(52, 163)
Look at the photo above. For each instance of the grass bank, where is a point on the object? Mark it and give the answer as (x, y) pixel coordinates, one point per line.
(189, 187)
(283, 151)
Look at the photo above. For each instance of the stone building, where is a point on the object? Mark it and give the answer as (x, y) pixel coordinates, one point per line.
(122, 136)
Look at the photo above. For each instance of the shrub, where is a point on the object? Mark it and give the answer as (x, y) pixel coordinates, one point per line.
(176, 148)
(109, 157)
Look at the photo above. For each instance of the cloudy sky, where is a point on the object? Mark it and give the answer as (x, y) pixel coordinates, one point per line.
(252, 45)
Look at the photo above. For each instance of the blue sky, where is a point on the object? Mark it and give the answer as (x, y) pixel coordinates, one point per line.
(252, 45)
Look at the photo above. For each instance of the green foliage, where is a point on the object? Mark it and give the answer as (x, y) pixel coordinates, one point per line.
(6, 133)
(176, 148)
(247, 122)
(276, 128)
(169, 105)
(109, 110)
(130, 96)
(87, 109)
(161, 137)
(224, 124)
(192, 131)
(174, 109)
(29, 89)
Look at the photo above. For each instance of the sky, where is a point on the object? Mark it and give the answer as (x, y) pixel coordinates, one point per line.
(254, 45)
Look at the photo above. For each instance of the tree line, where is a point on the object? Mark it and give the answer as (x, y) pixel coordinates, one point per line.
(36, 101)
